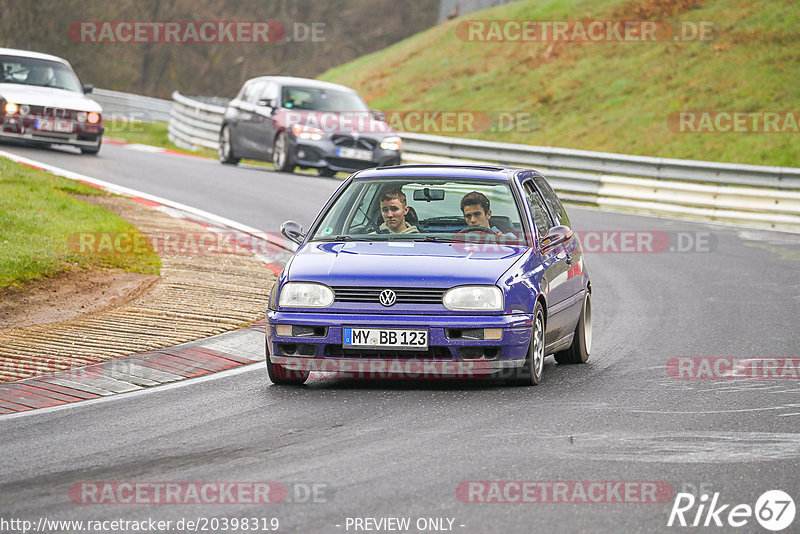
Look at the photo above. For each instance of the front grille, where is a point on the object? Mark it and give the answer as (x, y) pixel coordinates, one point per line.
(406, 295)
(433, 353)
(352, 142)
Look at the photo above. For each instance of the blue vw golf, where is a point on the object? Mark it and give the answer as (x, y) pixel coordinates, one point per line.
(432, 271)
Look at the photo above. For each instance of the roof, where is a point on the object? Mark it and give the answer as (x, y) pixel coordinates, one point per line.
(486, 172)
(305, 82)
(28, 53)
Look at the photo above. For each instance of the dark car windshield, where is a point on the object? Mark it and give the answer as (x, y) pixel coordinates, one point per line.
(434, 211)
(320, 99)
(39, 72)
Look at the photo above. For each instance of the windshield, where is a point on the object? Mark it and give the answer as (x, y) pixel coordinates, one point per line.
(319, 99)
(425, 209)
(39, 72)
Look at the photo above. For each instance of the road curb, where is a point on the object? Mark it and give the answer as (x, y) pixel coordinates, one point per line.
(152, 367)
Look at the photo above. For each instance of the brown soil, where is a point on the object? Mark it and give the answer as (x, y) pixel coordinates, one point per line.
(70, 295)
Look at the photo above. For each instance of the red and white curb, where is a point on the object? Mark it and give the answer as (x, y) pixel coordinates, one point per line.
(139, 371)
(136, 372)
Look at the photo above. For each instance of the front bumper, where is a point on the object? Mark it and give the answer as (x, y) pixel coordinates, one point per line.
(447, 354)
(18, 133)
(323, 153)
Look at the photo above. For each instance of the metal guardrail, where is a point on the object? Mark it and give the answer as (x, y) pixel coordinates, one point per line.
(117, 105)
(753, 195)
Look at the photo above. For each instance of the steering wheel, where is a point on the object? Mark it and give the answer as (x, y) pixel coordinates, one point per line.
(481, 229)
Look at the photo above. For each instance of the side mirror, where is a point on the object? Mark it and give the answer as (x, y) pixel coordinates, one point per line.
(293, 231)
(555, 236)
(87, 88)
(266, 102)
(378, 115)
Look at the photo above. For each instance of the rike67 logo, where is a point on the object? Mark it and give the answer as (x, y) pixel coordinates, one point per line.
(774, 510)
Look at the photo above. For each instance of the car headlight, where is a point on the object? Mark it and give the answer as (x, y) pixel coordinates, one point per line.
(11, 108)
(474, 298)
(305, 295)
(81, 116)
(93, 117)
(303, 131)
(392, 143)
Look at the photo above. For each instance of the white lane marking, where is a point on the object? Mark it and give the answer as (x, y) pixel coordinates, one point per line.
(172, 385)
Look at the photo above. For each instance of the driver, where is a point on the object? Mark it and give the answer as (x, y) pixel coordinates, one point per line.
(475, 207)
(394, 210)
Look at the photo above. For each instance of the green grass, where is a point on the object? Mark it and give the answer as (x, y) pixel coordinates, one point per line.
(37, 217)
(613, 97)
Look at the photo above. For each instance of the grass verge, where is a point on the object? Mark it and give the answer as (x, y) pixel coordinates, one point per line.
(607, 96)
(38, 214)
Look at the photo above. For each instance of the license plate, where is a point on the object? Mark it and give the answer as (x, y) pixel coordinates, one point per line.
(380, 338)
(353, 153)
(64, 126)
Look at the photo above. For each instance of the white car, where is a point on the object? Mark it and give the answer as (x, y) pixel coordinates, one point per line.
(42, 102)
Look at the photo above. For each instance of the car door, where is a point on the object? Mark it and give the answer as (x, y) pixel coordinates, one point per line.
(249, 137)
(575, 278)
(554, 261)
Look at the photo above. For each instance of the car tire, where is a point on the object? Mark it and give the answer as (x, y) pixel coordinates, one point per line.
(282, 157)
(281, 376)
(326, 172)
(225, 150)
(92, 149)
(581, 347)
(531, 373)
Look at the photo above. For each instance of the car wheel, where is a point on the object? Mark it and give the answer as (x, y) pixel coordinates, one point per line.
(326, 172)
(282, 376)
(581, 346)
(282, 157)
(92, 149)
(225, 150)
(531, 373)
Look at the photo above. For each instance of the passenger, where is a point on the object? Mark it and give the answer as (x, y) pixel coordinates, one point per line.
(394, 210)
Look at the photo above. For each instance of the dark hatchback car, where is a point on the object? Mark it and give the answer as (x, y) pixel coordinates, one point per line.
(442, 298)
(298, 122)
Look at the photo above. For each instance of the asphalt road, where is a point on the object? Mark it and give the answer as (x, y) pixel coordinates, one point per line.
(401, 448)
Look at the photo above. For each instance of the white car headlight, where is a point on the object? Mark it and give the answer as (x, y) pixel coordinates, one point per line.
(304, 131)
(392, 143)
(474, 298)
(305, 295)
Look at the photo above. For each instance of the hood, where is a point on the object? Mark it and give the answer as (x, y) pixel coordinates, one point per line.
(332, 122)
(47, 96)
(401, 263)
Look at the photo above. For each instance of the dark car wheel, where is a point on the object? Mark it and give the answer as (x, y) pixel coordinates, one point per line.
(326, 172)
(581, 346)
(225, 150)
(282, 376)
(530, 374)
(92, 149)
(282, 157)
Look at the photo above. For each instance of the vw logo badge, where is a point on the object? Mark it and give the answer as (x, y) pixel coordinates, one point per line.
(387, 297)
